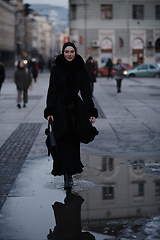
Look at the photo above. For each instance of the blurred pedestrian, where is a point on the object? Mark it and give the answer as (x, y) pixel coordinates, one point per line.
(90, 66)
(72, 117)
(119, 68)
(35, 69)
(51, 62)
(41, 65)
(2, 74)
(109, 66)
(22, 80)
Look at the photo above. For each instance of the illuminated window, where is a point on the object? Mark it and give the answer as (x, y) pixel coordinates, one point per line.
(106, 11)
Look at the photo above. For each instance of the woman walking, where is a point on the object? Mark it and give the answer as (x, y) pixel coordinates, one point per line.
(22, 80)
(71, 115)
(35, 69)
(90, 66)
(109, 66)
(119, 67)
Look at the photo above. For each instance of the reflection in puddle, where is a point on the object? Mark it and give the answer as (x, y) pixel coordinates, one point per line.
(68, 219)
(124, 200)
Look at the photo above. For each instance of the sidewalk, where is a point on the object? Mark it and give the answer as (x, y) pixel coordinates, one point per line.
(129, 125)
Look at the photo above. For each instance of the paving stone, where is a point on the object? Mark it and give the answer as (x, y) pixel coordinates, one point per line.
(13, 154)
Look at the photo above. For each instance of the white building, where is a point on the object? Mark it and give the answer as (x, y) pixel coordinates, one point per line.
(126, 29)
(121, 189)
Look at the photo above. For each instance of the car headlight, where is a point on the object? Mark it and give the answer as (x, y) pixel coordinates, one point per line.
(125, 72)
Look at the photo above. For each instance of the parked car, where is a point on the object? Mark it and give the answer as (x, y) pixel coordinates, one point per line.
(144, 70)
(103, 72)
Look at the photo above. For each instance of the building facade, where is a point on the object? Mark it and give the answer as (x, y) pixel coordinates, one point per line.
(24, 33)
(125, 29)
(7, 33)
(121, 189)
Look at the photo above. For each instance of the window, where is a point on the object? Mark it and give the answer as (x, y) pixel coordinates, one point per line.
(138, 11)
(142, 67)
(107, 164)
(157, 189)
(104, 164)
(157, 8)
(73, 8)
(140, 163)
(106, 11)
(141, 189)
(152, 66)
(138, 189)
(108, 193)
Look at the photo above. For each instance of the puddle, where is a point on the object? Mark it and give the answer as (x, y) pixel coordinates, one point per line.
(116, 197)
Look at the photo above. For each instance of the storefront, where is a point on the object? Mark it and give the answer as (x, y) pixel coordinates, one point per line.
(137, 52)
(106, 51)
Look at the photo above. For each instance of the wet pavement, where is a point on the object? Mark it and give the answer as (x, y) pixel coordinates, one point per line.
(118, 194)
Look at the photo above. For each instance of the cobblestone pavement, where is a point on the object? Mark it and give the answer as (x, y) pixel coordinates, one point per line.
(13, 154)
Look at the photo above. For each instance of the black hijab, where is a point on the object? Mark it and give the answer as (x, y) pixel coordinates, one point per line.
(67, 44)
(69, 66)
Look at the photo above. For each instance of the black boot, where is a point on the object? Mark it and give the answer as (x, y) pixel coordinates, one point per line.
(68, 181)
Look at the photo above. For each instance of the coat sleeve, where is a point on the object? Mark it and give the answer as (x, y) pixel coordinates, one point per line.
(86, 95)
(51, 96)
(15, 77)
(29, 78)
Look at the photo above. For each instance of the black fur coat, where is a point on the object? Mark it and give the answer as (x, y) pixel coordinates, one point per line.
(70, 111)
(66, 81)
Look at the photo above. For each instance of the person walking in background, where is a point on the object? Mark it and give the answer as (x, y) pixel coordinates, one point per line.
(90, 66)
(72, 115)
(41, 64)
(109, 66)
(2, 74)
(22, 80)
(35, 69)
(119, 68)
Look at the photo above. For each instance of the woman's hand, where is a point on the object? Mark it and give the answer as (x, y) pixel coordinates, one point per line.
(92, 119)
(50, 117)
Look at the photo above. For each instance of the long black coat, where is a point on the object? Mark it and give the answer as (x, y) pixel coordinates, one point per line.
(63, 102)
(22, 79)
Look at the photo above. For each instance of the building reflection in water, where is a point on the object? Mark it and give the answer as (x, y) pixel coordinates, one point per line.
(124, 189)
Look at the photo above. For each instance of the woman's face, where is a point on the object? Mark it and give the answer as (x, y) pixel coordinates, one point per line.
(21, 64)
(69, 53)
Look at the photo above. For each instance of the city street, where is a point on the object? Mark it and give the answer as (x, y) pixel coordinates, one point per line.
(120, 185)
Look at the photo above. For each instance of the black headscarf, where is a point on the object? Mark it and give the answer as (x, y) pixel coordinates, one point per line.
(67, 44)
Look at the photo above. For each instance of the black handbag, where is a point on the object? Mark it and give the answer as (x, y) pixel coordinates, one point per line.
(50, 141)
(51, 134)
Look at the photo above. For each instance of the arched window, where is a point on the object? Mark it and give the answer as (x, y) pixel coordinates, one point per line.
(106, 44)
(157, 51)
(157, 45)
(137, 51)
(137, 43)
(106, 51)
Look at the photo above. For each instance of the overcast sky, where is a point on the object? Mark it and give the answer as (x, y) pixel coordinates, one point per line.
(62, 3)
